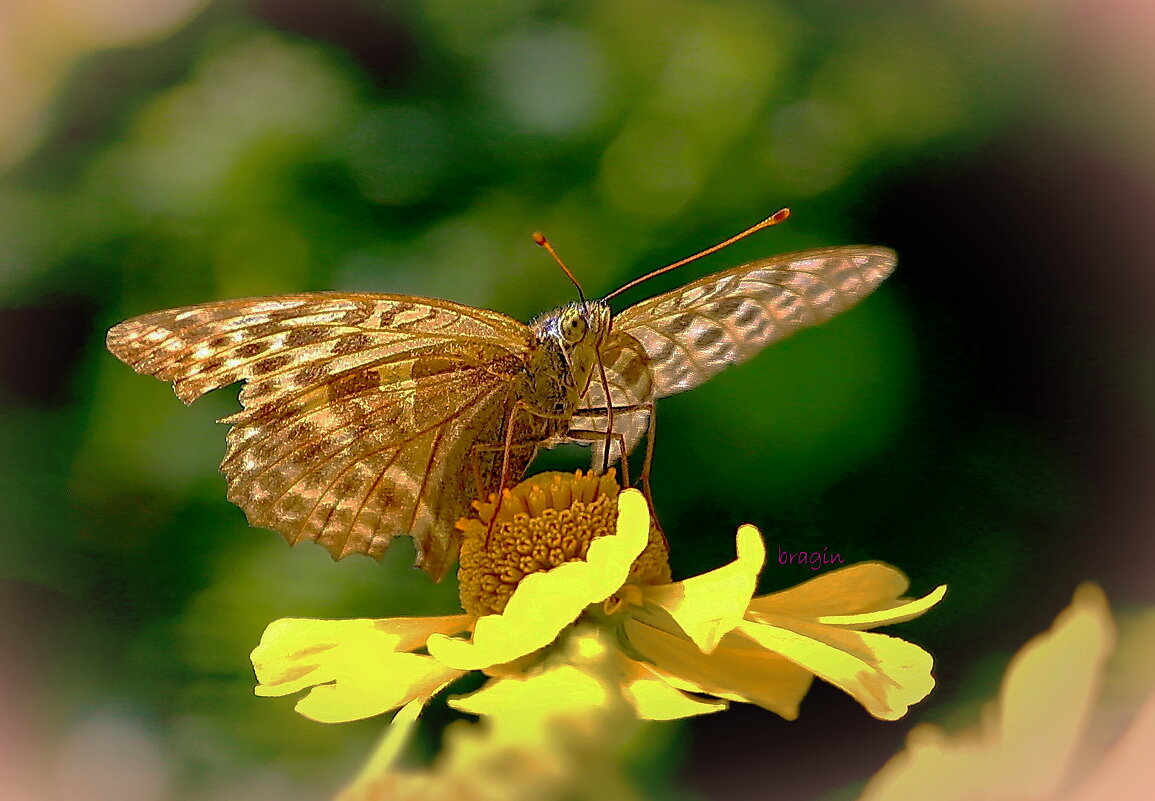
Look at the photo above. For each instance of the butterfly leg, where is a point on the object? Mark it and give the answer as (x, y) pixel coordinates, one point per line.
(648, 462)
(583, 435)
(482, 491)
(610, 426)
(644, 480)
(601, 433)
(507, 448)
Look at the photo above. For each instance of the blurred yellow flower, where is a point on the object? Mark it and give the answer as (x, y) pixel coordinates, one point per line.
(562, 548)
(1026, 743)
(526, 745)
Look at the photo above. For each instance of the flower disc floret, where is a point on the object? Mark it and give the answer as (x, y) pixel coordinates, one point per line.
(542, 523)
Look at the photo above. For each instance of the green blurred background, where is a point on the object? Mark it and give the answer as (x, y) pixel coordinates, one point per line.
(984, 420)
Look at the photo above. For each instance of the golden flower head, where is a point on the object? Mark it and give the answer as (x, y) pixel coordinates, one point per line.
(588, 558)
(542, 523)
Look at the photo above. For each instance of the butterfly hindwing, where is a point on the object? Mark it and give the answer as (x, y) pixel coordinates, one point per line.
(359, 411)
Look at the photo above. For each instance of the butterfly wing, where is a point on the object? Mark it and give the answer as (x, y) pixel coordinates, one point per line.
(360, 411)
(675, 341)
(692, 333)
(630, 383)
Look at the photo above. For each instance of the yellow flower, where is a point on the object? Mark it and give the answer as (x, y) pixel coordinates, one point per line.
(563, 548)
(1033, 739)
(526, 745)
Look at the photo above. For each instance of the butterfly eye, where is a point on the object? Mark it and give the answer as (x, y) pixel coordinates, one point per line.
(573, 326)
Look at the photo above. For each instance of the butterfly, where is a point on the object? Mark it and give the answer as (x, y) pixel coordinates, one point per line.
(369, 415)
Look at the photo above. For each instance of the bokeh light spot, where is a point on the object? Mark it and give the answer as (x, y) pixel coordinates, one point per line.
(549, 79)
(110, 757)
(396, 154)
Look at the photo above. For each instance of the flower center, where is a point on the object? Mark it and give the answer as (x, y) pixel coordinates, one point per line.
(543, 522)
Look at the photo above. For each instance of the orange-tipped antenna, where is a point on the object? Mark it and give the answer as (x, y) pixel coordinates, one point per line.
(540, 239)
(773, 219)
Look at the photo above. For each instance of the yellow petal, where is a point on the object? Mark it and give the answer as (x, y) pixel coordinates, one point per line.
(1024, 747)
(545, 603)
(352, 666)
(736, 670)
(394, 681)
(861, 587)
(555, 733)
(412, 632)
(887, 617)
(884, 674)
(559, 691)
(708, 606)
(655, 698)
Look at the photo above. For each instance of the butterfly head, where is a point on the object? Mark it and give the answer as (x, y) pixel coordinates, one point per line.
(584, 323)
(573, 332)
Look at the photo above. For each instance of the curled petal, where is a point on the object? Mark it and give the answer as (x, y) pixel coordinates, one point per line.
(884, 674)
(350, 667)
(737, 670)
(708, 606)
(655, 698)
(362, 694)
(887, 617)
(545, 603)
(858, 588)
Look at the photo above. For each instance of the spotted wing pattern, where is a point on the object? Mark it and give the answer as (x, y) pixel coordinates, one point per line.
(359, 411)
(694, 332)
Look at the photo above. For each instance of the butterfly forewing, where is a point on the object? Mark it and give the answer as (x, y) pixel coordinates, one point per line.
(693, 332)
(270, 340)
(359, 411)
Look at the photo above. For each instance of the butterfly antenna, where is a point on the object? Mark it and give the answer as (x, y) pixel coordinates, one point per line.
(540, 239)
(773, 219)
